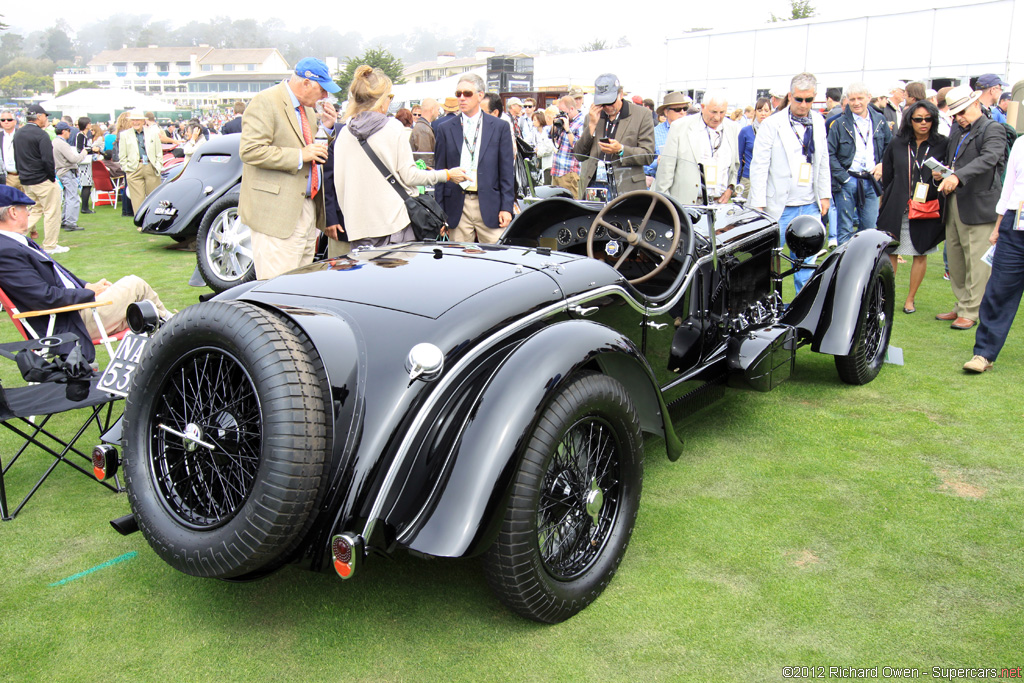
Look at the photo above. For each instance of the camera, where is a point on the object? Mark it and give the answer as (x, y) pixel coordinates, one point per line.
(559, 126)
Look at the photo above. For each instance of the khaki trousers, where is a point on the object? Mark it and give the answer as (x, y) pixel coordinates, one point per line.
(141, 182)
(965, 245)
(47, 206)
(127, 290)
(275, 255)
(471, 226)
(14, 181)
(570, 181)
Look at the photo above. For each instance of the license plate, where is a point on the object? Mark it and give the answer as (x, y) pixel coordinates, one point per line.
(117, 376)
(162, 211)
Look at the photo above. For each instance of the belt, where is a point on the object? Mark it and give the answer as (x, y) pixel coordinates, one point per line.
(11, 173)
(470, 192)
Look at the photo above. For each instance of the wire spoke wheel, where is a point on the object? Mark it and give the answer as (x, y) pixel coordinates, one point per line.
(574, 502)
(578, 499)
(874, 328)
(225, 440)
(210, 398)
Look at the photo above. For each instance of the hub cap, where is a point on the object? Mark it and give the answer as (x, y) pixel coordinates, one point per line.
(229, 246)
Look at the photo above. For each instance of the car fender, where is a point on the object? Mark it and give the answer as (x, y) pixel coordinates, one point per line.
(826, 309)
(465, 512)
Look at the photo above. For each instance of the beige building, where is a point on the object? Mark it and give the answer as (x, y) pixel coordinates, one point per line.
(189, 76)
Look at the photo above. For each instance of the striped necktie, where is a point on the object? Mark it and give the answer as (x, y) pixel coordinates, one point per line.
(307, 136)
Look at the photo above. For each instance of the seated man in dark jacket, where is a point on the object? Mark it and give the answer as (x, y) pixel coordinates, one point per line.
(35, 282)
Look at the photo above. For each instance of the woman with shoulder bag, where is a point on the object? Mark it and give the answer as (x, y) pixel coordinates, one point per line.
(912, 208)
(375, 214)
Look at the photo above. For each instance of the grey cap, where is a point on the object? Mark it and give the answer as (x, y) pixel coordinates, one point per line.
(606, 89)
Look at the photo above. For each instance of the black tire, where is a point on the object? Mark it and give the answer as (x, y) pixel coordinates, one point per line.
(550, 559)
(244, 381)
(223, 246)
(874, 328)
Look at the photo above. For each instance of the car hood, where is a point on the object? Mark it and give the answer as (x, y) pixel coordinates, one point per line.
(429, 279)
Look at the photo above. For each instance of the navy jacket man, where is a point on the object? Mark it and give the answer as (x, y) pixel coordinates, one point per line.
(856, 140)
(480, 208)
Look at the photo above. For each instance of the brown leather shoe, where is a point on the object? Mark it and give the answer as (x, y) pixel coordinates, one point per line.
(963, 324)
(978, 364)
(947, 316)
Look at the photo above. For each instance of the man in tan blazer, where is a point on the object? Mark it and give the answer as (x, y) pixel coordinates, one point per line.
(618, 132)
(142, 158)
(710, 139)
(282, 198)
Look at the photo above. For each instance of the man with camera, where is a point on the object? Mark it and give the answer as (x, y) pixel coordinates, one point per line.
(617, 142)
(565, 131)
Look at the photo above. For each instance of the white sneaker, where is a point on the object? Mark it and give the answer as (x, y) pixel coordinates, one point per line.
(57, 250)
(832, 244)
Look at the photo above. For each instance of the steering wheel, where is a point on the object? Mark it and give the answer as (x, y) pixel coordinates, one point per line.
(634, 236)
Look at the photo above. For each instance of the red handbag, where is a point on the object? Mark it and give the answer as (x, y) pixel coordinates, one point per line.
(919, 210)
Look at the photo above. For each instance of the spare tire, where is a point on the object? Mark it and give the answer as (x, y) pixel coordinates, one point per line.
(224, 246)
(225, 440)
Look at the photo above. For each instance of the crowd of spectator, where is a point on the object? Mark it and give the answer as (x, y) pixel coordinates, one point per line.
(925, 166)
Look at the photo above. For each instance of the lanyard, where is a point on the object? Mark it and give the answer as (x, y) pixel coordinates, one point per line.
(863, 138)
(912, 163)
(719, 136)
(965, 138)
(805, 141)
(471, 146)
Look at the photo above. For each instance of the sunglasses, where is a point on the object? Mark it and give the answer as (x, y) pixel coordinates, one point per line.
(921, 119)
(678, 110)
(6, 119)
(464, 93)
(805, 100)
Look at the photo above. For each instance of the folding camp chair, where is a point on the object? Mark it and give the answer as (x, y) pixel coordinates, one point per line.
(104, 189)
(19, 406)
(27, 331)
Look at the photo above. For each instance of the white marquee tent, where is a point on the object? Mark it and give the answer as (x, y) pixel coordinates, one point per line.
(104, 101)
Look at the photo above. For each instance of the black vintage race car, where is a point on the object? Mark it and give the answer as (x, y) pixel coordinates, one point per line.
(454, 400)
(202, 202)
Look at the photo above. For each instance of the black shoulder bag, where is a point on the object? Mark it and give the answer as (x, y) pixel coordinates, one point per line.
(426, 216)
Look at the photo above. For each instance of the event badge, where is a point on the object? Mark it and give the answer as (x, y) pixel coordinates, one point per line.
(710, 173)
(469, 184)
(1019, 224)
(921, 193)
(602, 173)
(803, 178)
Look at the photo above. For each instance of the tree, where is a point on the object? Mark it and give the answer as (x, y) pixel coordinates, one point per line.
(378, 58)
(84, 85)
(12, 46)
(20, 84)
(799, 9)
(595, 45)
(58, 46)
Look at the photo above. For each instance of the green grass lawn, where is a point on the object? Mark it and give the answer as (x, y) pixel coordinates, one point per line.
(818, 525)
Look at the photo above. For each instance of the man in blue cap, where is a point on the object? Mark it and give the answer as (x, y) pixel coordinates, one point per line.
(282, 197)
(35, 282)
(991, 87)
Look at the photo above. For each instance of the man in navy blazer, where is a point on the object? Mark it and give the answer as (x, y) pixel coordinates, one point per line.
(480, 208)
(35, 282)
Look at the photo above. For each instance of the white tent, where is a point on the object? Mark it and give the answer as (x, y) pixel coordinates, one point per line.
(104, 101)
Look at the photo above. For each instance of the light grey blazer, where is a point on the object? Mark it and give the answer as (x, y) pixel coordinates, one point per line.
(677, 169)
(771, 177)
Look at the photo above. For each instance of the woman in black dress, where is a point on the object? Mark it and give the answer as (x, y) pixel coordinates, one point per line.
(906, 178)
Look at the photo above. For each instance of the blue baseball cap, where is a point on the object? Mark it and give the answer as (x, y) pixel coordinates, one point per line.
(62, 126)
(10, 197)
(315, 70)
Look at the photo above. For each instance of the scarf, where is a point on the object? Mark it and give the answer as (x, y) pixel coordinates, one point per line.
(808, 142)
(365, 124)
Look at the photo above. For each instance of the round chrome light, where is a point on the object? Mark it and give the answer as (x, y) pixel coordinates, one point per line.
(425, 361)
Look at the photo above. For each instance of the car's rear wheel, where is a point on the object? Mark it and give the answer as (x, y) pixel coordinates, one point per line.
(574, 502)
(874, 328)
(224, 246)
(225, 440)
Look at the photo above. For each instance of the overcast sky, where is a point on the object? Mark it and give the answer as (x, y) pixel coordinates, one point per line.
(577, 23)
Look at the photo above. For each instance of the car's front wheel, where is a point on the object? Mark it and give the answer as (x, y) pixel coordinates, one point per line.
(574, 502)
(224, 246)
(874, 328)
